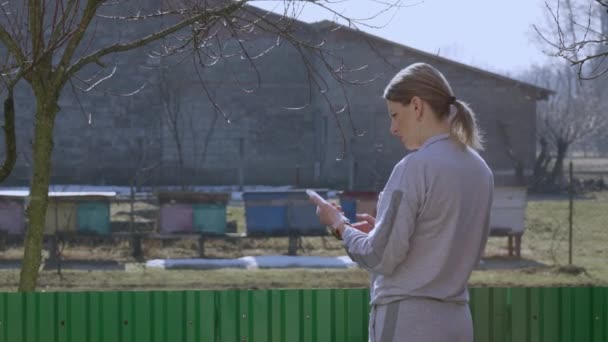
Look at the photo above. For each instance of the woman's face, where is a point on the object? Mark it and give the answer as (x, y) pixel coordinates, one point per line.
(405, 120)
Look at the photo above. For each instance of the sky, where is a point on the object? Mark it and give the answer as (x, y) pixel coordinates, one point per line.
(495, 35)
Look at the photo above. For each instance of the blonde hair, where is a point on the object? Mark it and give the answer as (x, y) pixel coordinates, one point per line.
(428, 83)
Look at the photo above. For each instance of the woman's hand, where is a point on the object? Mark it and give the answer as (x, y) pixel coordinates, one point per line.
(366, 218)
(329, 214)
(365, 223)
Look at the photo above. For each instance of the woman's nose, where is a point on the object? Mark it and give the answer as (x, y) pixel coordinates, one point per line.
(394, 130)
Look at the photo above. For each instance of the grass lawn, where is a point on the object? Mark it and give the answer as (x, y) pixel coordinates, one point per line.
(544, 248)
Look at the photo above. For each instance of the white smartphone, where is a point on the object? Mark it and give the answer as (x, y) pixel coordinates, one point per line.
(320, 200)
(315, 197)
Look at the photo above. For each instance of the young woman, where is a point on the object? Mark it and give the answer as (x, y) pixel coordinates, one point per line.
(433, 216)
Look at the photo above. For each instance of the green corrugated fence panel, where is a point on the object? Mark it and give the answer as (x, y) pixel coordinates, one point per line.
(499, 314)
(276, 316)
(581, 313)
(31, 324)
(158, 302)
(599, 315)
(340, 316)
(309, 317)
(535, 313)
(566, 314)
(322, 313)
(228, 316)
(520, 314)
(47, 317)
(480, 307)
(551, 314)
(14, 318)
(292, 306)
(260, 315)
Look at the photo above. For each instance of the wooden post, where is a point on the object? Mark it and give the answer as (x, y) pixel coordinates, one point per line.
(136, 250)
(241, 175)
(292, 249)
(54, 258)
(352, 166)
(3, 238)
(201, 245)
(570, 213)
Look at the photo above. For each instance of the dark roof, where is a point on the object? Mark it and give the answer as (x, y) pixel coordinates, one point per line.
(540, 93)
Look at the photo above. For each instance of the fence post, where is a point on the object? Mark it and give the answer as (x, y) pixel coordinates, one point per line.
(3, 238)
(201, 245)
(570, 213)
(136, 249)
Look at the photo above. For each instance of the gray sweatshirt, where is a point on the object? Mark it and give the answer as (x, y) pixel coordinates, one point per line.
(432, 225)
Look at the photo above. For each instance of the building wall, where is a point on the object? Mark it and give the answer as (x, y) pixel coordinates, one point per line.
(101, 138)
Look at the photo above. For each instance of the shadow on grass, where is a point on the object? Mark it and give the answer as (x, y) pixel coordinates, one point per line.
(503, 263)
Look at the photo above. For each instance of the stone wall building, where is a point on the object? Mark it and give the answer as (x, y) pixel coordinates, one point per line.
(170, 133)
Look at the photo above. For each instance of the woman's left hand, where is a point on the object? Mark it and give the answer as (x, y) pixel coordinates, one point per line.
(329, 214)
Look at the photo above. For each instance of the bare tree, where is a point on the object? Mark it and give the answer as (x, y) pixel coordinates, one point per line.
(570, 115)
(184, 129)
(576, 31)
(171, 102)
(516, 158)
(49, 44)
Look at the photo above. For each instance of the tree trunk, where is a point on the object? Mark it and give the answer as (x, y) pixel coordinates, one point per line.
(9, 137)
(46, 110)
(557, 174)
(540, 166)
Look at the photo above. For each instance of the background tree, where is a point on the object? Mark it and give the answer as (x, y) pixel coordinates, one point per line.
(48, 44)
(183, 128)
(573, 113)
(575, 30)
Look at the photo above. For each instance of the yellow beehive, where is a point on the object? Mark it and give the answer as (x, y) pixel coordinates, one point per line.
(60, 216)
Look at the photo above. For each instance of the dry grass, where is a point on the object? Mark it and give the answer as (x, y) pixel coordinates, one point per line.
(546, 241)
(151, 279)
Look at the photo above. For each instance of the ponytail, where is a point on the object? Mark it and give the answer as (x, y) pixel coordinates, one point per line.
(464, 127)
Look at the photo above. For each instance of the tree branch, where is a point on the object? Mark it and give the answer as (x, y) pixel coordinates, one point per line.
(11, 45)
(88, 15)
(35, 25)
(572, 46)
(150, 38)
(58, 28)
(159, 14)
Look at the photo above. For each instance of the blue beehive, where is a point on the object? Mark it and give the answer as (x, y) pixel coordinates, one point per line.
(354, 202)
(280, 213)
(265, 212)
(302, 218)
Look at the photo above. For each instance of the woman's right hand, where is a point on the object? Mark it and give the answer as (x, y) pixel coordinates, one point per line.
(365, 223)
(367, 218)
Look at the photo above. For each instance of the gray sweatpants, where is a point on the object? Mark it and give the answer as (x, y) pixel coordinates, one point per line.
(420, 320)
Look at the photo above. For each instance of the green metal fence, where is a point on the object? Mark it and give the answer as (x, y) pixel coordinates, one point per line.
(499, 314)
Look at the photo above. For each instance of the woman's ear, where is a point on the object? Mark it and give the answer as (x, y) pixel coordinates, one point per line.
(417, 105)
